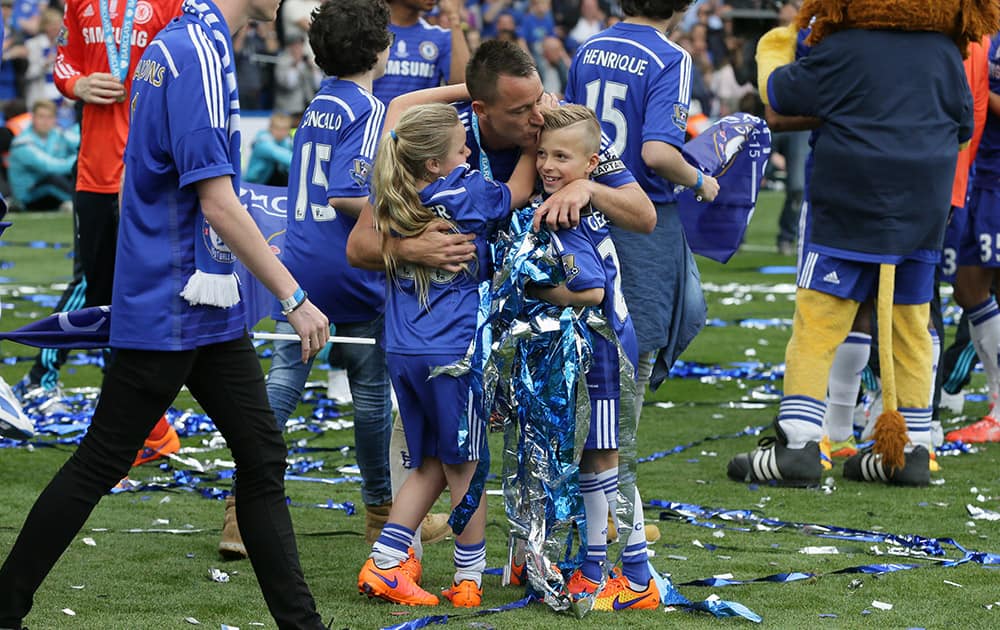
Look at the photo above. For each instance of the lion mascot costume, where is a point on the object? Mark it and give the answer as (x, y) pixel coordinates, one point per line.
(882, 84)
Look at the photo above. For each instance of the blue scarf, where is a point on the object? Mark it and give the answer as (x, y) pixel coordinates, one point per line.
(214, 282)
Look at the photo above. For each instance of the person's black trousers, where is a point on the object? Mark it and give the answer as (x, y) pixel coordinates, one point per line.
(226, 379)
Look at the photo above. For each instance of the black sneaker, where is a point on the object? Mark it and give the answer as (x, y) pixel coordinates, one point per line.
(867, 466)
(774, 461)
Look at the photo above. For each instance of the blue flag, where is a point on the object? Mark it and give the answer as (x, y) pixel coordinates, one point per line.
(268, 206)
(735, 151)
(90, 328)
(84, 329)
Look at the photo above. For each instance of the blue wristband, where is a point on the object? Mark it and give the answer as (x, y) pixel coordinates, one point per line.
(701, 180)
(290, 304)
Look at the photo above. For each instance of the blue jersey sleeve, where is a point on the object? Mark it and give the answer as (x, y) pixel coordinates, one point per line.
(792, 89)
(667, 102)
(350, 166)
(492, 198)
(611, 170)
(197, 120)
(583, 268)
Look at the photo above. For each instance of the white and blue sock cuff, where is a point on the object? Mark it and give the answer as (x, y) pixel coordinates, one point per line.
(917, 419)
(397, 537)
(982, 312)
(471, 556)
(635, 553)
(802, 409)
(608, 481)
(588, 483)
(859, 338)
(597, 553)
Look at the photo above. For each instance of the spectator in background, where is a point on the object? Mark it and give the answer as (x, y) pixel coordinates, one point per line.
(715, 35)
(492, 11)
(565, 13)
(506, 26)
(701, 73)
(700, 53)
(554, 65)
(42, 160)
(256, 49)
(724, 85)
(38, 81)
(794, 146)
(474, 39)
(271, 154)
(536, 25)
(16, 119)
(26, 17)
(591, 22)
(15, 57)
(294, 77)
(423, 55)
(295, 18)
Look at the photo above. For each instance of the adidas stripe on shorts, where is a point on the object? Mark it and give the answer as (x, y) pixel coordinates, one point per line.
(603, 424)
(853, 280)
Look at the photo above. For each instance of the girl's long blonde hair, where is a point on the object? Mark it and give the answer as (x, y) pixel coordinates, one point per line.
(422, 134)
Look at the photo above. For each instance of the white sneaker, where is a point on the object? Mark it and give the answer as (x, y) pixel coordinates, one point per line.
(937, 434)
(874, 411)
(13, 423)
(953, 403)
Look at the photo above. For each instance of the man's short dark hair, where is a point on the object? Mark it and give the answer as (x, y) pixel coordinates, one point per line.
(493, 59)
(347, 35)
(656, 9)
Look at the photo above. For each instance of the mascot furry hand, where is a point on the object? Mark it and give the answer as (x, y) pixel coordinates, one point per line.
(961, 21)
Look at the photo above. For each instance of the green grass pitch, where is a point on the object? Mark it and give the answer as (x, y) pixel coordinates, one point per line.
(143, 580)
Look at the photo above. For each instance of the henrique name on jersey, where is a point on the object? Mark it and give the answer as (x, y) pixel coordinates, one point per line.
(616, 61)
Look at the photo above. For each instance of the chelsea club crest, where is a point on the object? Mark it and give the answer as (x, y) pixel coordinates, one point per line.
(219, 251)
(428, 50)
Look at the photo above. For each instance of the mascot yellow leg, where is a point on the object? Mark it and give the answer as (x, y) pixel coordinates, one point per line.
(911, 354)
(793, 458)
(905, 354)
(821, 324)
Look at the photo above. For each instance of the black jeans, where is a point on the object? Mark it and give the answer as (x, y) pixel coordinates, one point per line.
(227, 381)
(97, 230)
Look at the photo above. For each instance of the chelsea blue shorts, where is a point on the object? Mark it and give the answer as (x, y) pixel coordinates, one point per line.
(980, 244)
(854, 280)
(439, 417)
(604, 413)
(954, 232)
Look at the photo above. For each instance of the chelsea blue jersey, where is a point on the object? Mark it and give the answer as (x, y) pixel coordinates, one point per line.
(987, 173)
(185, 129)
(420, 58)
(476, 206)
(590, 261)
(639, 83)
(333, 155)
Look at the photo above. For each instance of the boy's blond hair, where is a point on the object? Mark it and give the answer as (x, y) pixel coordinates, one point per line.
(570, 115)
